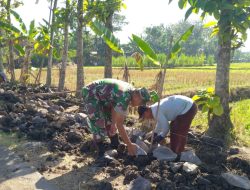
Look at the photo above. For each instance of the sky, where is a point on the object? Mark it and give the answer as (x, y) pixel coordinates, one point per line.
(139, 15)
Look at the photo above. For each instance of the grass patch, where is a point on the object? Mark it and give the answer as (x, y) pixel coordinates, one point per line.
(10, 140)
(240, 117)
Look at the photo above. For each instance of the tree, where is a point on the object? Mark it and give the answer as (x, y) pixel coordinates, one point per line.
(65, 16)
(79, 52)
(8, 5)
(50, 59)
(104, 11)
(233, 18)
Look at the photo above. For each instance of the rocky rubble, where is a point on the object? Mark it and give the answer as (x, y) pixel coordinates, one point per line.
(59, 122)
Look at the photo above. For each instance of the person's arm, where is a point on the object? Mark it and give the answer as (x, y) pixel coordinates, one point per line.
(162, 127)
(118, 120)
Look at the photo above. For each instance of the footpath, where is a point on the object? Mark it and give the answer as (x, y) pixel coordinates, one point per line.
(15, 174)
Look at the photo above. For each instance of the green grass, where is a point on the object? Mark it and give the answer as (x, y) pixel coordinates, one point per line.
(240, 116)
(10, 140)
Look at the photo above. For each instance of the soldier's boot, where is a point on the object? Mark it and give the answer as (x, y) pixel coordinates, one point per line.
(114, 141)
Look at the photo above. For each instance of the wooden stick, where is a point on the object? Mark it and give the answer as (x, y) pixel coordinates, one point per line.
(161, 89)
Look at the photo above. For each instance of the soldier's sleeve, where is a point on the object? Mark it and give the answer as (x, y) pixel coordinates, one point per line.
(121, 104)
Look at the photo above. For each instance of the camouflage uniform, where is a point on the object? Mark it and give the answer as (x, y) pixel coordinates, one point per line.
(100, 97)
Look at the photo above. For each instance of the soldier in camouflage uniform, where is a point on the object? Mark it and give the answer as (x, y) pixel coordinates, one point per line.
(106, 103)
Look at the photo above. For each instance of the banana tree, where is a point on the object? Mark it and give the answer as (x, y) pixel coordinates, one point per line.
(25, 43)
(42, 46)
(149, 52)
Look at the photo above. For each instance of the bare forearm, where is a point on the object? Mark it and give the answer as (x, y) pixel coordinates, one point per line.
(123, 134)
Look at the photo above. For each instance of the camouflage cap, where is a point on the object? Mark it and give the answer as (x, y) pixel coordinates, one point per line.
(144, 94)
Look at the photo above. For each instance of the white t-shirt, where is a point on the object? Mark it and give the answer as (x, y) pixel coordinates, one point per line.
(169, 109)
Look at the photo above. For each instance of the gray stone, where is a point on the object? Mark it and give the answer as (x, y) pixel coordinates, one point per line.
(175, 166)
(164, 153)
(140, 183)
(140, 151)
(202, 181)
(112, 153)
(141, 144)
(190, 168)
(236, 180)
(190, 156)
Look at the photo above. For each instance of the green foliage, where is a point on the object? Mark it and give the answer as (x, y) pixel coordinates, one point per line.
(209, 101)
(107, 35)
(146, 49)
(177, 46)
(235, 13)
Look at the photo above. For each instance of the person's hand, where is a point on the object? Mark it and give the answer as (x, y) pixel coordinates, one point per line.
(157, 139)
(132, 148)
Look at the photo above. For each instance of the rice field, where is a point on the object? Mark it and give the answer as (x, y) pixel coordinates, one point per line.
(177, 79)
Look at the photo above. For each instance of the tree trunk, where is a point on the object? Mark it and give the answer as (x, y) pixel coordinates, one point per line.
(11, 48)
(108, 50)
(25, 69)
(50, 59)
(1, 58)
(65, 53)
(79, 56)
(38, 77)
(220, 126)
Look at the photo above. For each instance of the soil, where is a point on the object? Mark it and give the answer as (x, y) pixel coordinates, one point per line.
(61, 148)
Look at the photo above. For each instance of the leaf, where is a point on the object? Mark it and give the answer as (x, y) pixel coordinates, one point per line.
(195, 97)
(188, 13)
(19, 20)
(8, 27)
(107, 36)
(210, 90)
(218, 110)
(146, 49)
(182, 3)
(209, 24)
(184, 37)
(227, 6)
(19, 49)
(204, 109)
(138, 59)
(214, 32)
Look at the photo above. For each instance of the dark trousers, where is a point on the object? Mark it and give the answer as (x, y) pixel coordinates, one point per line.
(179, 129)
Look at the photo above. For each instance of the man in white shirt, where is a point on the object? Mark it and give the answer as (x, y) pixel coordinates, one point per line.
(175, 114)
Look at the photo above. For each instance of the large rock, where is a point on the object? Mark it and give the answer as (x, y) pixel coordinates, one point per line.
(190, 156)
(236, 180)
(141, 144)
(175, 166)
(164, 153)
(190, 168)
(140, 183)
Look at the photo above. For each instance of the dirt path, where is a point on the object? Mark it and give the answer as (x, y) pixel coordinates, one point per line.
(17, 174)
